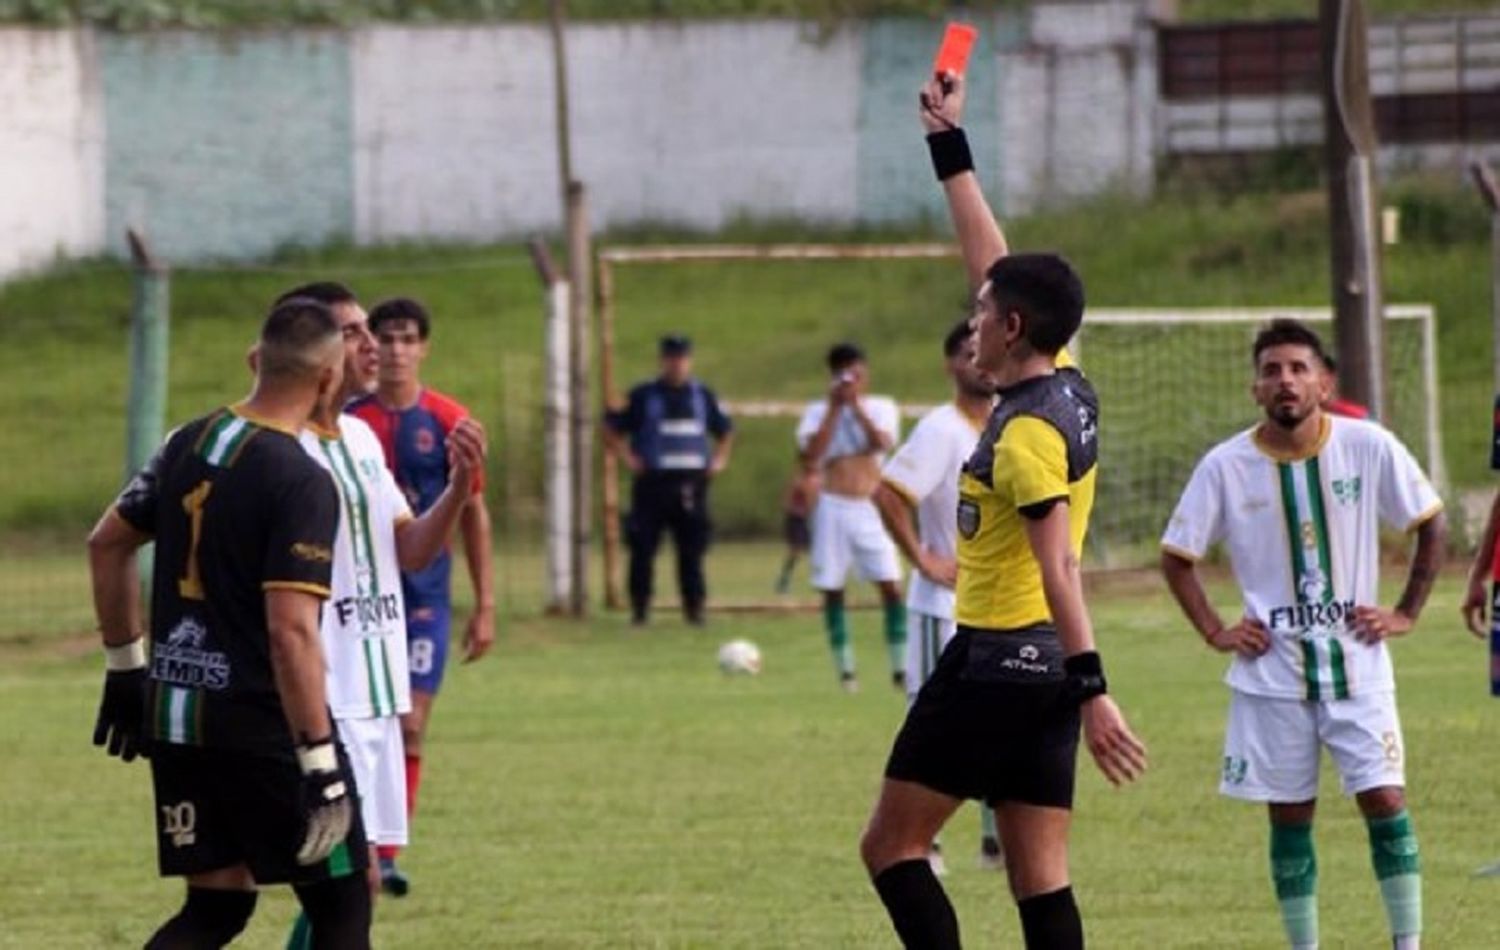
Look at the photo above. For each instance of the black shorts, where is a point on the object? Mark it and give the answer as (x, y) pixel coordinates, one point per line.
(992, 722)
(216, 808)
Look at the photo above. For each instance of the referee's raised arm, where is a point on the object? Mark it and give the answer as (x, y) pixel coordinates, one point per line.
(979, 233)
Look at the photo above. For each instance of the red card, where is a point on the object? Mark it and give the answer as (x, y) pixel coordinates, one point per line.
(953, 55)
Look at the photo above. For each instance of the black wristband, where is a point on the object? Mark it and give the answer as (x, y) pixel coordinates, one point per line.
(950, 153)
(1084, 676)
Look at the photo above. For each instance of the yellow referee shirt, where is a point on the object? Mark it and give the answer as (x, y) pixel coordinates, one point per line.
(1039, 447)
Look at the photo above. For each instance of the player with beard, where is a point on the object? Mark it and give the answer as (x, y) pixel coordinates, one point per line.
(922, 479)
(1298, 502)
(364, 625)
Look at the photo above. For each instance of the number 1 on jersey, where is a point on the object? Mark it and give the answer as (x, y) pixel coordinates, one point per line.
(190, 585)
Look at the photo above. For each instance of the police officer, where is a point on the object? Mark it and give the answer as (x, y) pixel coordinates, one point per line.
(673, 437)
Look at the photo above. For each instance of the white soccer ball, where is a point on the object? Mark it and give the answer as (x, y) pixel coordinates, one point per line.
(739, 658)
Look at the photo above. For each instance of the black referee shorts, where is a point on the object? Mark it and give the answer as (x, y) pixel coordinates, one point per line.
(216, 808)
(992, 723)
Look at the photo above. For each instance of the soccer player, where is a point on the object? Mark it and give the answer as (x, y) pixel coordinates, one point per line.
(999, 718)
(1298, 501)
(415, 426)
(922, 478)
(843, 438)
(251, 786)
(1336, 404)
(674, 438)
(364, 626)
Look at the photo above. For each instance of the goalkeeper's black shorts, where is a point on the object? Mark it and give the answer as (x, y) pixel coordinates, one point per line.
(216, 808)
(993, 723)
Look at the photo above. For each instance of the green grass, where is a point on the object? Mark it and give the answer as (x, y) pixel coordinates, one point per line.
(597, 786)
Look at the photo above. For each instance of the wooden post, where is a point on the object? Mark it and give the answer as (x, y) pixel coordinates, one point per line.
(557, 440)
(610, 473)
(558, 17)
(579, 260)
(1349, 147)
(1489, 190)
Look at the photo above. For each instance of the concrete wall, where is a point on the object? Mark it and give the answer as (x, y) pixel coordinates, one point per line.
(51, 139)
(230, 146)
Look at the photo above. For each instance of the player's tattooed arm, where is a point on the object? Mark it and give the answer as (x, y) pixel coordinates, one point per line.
(1476, 598)
(292, 617)
(112, 571)
(1373, 624)
(979, 235)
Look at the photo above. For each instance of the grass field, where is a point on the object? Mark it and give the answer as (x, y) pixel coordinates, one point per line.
(598, 786)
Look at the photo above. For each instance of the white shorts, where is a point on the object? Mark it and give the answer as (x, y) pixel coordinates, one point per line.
(378, 758)
(1273, 746)
(847, 532)
(926, 638)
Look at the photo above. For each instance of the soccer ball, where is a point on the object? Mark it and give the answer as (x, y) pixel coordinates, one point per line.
(739, 658)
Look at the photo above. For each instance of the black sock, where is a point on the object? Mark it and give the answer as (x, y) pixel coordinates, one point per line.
(1051, 921)
(923, 918)
(339, 912)
(209, 918)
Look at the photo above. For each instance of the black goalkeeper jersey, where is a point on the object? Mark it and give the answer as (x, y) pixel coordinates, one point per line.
(236, 508)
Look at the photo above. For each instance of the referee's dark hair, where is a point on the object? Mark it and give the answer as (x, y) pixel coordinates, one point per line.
(841, 356)
(296, 339)
(401, 309)
(1046, 291)
(330, 293)
(957, 337)
(1285, 330)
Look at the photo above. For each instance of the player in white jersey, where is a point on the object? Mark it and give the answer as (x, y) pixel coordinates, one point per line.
(1298, 502)
(364, 621)
(844, 438)
(922, 478)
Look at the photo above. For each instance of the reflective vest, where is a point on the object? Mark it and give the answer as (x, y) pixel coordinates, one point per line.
(674, 445)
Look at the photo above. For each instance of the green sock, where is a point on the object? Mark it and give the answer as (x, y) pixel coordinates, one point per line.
(895, 635)
(987, 826)
(838, 637)
(1398, 868)
(1294, 870)
(301, 936)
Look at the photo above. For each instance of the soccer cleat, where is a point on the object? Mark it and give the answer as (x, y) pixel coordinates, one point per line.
(936, 862)
(898, 680)
(392, 881)
(991, 855)
(1489, 870)
(849, 682)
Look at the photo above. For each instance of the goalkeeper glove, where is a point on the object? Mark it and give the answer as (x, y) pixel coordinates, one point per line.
(122, 708)
(327, 807)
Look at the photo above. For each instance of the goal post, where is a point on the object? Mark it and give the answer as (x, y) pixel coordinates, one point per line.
(1172, 383)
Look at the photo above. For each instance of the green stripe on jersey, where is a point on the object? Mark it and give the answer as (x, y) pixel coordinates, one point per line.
(390, 684)
(1312, 570)
(228, 437)
(374, 683)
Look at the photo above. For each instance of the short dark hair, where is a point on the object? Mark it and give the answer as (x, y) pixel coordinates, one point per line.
(399, 310)
(1283, 331)
(327, 292)
(1046, 291)
(957, 337)
(293, 336)
(841, 356)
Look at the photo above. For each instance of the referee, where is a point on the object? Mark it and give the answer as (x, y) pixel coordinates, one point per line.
(673, 437)
(999, 719)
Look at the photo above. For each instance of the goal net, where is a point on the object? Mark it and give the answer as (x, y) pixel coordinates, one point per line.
(1172, 382)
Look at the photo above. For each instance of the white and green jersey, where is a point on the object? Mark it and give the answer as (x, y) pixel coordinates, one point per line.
(1303, 537)
(364, 621)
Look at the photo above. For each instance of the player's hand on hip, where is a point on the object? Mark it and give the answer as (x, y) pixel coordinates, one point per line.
(942, 102)
(938, 569)
(1249, 638)
(122, 708)
(479, 634)
(1374, 624)
(1116, 750)
(327, 803)
(1476, 609)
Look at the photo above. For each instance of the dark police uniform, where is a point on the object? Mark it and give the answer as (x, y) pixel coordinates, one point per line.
(996, 720)
(236, 508)
(670, 429)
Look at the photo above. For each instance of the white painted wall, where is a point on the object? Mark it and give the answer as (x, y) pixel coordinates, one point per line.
(51, 148)
(688, 124)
